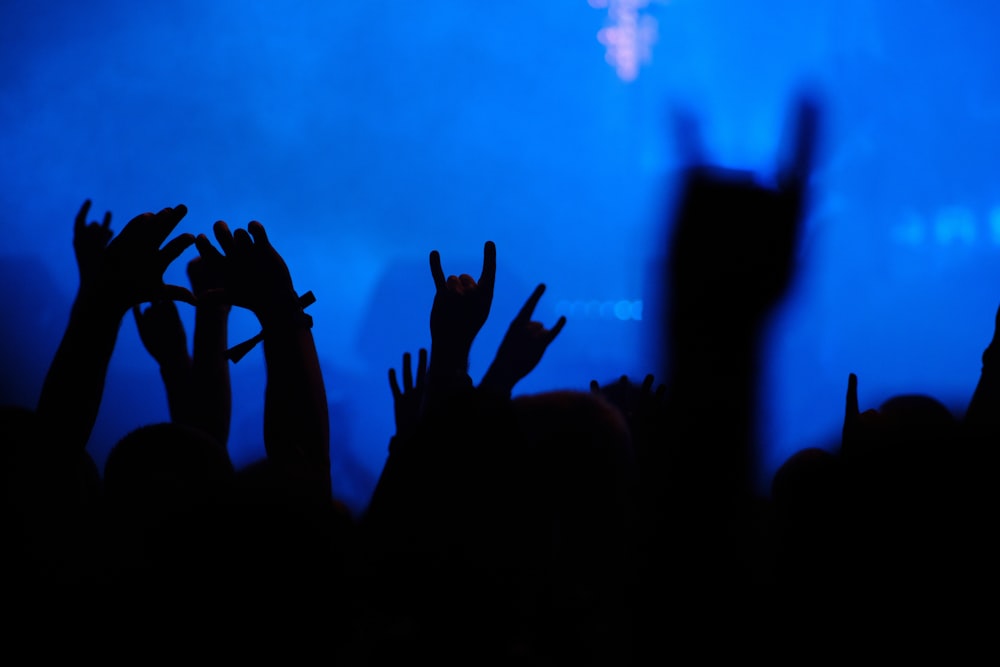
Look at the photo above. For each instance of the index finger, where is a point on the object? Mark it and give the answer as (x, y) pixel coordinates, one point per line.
(687, 135)
(529, 306)
(852, 414)
(554, 331)
(173, 250)
(258, 233)
(223, 236)
(436, 271)
(81, 216)
(488, 277)
(166, 220)
(803, 143)
(851, 409)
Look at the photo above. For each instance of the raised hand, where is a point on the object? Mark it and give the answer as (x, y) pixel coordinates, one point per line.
(461, 304)
(251, 272)
(522, 347)
(408, 402)
(296, 414)
(637, 404)
(130, 268)
(89, 242)
(733, 249)
(162, 333)
(859, 427)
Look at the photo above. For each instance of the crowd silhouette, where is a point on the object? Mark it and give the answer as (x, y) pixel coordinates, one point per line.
(612, 524)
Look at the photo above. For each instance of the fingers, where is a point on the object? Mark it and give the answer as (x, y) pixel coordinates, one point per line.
(647, 383)
(407, 372)
(166, 220)
(394, 384)
(554, 331)
(257, 232)
(687, 136)
(137, 313)
(195, 263)
(595, 387)
(852, 415)
(488, 277)
(851, 410)
(175, 247)
(223, 236)
(81, 216)
(436, 271)
(205, 248)
(466, 282)
(805, 129)
(242, 241)
(80, 223)
(421, 367)
(529, 306)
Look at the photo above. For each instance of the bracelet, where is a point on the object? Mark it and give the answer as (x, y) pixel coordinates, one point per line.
(301, 320)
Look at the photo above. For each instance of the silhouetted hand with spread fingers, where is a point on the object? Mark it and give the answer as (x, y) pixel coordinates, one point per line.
(130, 269)
(408, 402)
(521, 349)
(630, 399)
(251, 272)
(460, 309)
(734, 240)
(90, 240)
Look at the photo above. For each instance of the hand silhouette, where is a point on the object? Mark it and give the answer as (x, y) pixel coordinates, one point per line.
(162, 333)
(408, 403)
(251, 272)
(89, 242)
(129, 270)
(638, 404)
(522, 347)
(461, 305)
(733, 249)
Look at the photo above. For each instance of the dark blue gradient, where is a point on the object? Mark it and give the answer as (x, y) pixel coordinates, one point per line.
(365, 134)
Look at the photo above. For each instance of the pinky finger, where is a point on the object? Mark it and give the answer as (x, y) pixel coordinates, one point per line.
(394, 383)
(557, 328)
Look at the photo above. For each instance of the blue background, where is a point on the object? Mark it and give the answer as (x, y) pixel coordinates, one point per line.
(365, 134)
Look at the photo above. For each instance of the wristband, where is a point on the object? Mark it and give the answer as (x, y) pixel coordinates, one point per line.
(301, 320)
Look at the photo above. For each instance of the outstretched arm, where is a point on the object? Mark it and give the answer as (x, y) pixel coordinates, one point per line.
(296, 417)
(408, 408)
(732, 260)
(115, 274)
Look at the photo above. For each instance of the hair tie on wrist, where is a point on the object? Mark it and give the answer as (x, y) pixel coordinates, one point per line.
(238, 351)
